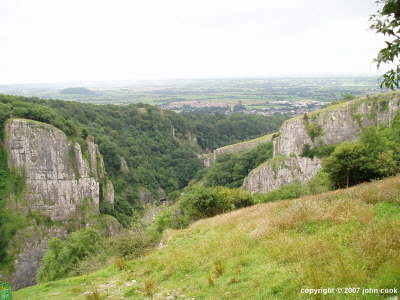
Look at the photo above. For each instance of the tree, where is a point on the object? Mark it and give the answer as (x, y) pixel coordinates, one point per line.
(350, 164)
(387, 22)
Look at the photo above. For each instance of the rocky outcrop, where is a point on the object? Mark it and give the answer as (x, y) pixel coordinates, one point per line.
(209, 158)
(123, 165)
(332, 125)
(57, 176)
(35, 241)
(96, 161)
(279, 171)
(145, 195)
(343, 122)
(60, 178)
(108, 192)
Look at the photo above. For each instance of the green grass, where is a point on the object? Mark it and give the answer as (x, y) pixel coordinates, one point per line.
(351, 104)
(345, 238)
(256, 141)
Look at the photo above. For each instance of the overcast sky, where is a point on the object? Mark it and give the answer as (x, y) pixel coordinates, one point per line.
(64, 40)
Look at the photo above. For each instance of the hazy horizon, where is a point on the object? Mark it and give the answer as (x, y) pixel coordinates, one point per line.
(100, 41)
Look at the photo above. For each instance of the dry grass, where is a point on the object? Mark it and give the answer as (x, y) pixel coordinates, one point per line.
(120, 263)
(95, 295)
(338, 206)
(331, 239)
(345, 238)
(149, 287)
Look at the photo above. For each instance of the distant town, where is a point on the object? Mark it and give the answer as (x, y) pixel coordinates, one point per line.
(265, 96)
(273, 107)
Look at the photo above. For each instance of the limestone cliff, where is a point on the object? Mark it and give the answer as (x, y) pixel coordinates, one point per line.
(60, 177)
(332, 125)
(279, 171)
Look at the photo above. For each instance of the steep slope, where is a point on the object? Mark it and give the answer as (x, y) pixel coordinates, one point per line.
(345, 238)
(209, 159)
(332, 125)
(59, 181)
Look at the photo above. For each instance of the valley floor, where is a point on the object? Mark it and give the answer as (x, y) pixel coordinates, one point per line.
(343, 239)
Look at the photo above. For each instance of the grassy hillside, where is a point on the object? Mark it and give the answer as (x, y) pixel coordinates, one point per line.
(346, 238)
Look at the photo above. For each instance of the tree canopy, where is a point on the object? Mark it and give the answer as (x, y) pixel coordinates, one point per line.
(386, 21)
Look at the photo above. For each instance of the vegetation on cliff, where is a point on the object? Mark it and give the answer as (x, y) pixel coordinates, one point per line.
(231, 168)
(376, 154)
(11, 186)
(159, 147)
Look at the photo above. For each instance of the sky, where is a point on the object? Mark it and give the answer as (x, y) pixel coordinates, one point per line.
(96, 40)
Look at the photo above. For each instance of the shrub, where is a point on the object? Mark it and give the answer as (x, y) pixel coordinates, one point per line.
(320, 152)
(201, 202)
(318, 184)
(131, 243)
(169, 217)
(149, 287)
(288, 191)
(63, 256)
(313, 129)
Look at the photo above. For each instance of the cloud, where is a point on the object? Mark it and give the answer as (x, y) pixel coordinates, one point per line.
(62, 40)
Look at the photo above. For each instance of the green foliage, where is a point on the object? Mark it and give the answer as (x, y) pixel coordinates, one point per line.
(386, 21)
(320, 151)
(18, 107)
(202, 202)
(319, 184)
(230, 169)
(169, 217)
(63, 256)
(216, 130)
(350, 164)
(5, 291)
(160, 147)
(11, 184)
(131, 243)
(199, 202)
(288, 191)
(313, 129)
(375, 155)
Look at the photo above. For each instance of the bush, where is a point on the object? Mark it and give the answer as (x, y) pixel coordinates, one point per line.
(320, 152)
(131, 243)
(63, 256)
(169, 217)
(203, 202)
(288, 191)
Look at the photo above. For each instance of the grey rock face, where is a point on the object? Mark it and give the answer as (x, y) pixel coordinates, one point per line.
(145, 195)
(340, 124)
(57, 176)
(58, 179)
(280, 171)
(28, 260)
(123, 165)
(96, 161)
(109, 192)
(337, 124)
